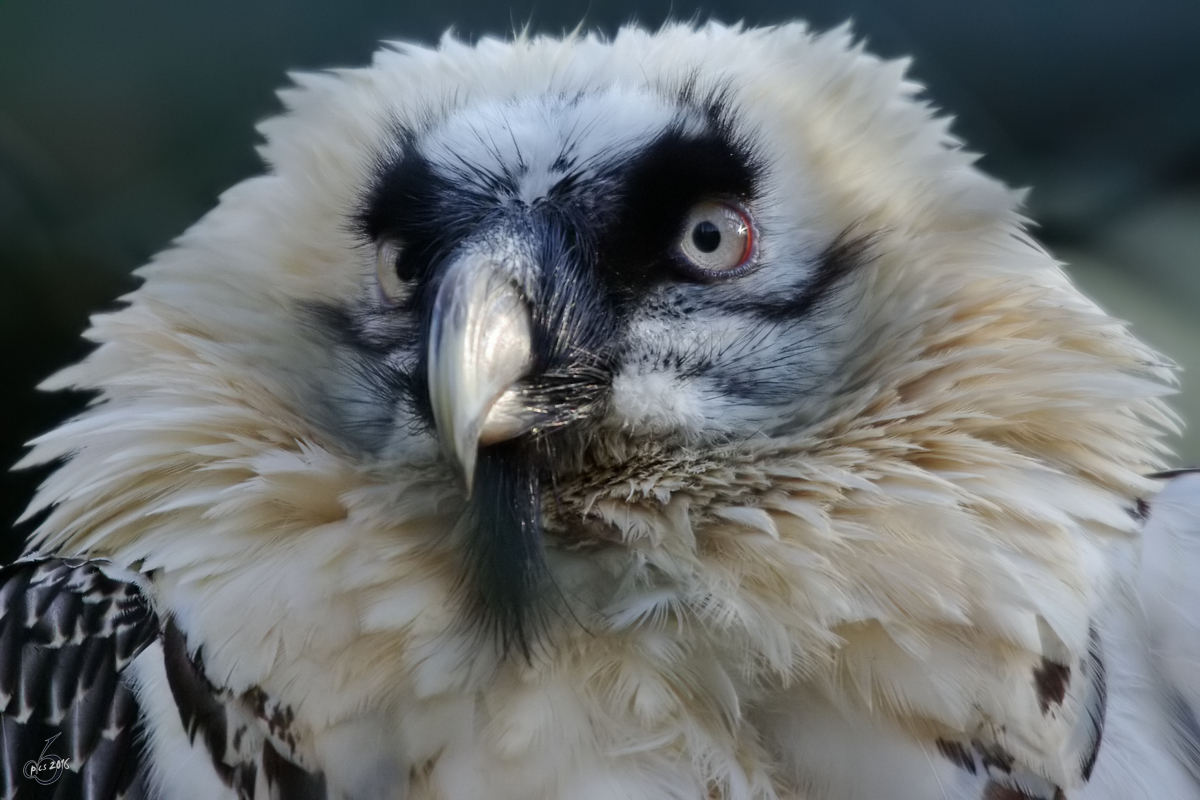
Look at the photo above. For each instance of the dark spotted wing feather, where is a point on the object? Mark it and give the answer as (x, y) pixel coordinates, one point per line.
(67, 631)
(247, 735)
(1082, 684)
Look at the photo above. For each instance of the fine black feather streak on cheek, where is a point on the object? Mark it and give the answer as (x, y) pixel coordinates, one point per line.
(848, 253)
(769, 381)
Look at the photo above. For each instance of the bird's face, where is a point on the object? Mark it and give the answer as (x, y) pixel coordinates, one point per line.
(561, 269)
(611, 259)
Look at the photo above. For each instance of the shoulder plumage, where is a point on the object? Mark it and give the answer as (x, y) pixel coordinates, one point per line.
(68, 630)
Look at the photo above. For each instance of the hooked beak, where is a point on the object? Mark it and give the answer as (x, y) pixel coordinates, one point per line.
(480, 347)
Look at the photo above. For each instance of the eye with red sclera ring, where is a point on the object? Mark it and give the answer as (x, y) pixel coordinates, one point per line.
(717, 242)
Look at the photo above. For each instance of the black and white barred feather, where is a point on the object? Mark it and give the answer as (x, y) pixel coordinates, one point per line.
(68, 629)
(70, 721)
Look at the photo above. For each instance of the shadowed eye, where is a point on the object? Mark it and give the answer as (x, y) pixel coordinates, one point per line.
(717, 241)
(391, 288)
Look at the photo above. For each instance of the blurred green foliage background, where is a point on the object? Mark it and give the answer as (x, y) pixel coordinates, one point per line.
(121, 121)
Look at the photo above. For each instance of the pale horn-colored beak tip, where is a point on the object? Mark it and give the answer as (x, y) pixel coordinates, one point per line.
(480, 346)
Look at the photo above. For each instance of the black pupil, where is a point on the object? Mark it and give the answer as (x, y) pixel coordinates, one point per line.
(706, 236)
(405, 268)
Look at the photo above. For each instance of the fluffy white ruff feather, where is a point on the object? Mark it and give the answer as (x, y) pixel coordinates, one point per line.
(957, 512)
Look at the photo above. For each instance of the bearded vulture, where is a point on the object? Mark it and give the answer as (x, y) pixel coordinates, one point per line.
(675, 416)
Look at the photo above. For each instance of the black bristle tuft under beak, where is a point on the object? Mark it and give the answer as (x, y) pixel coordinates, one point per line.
(505, 561)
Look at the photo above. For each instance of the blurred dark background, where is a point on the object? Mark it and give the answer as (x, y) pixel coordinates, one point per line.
(121, 121)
